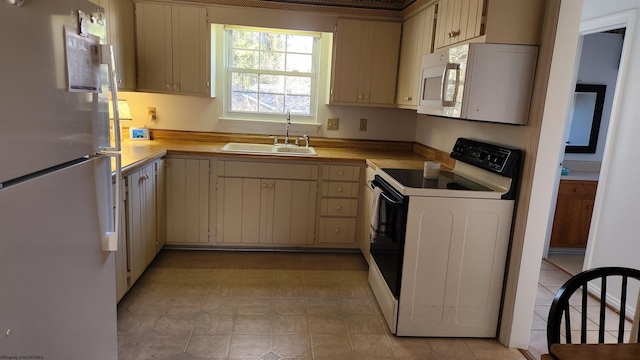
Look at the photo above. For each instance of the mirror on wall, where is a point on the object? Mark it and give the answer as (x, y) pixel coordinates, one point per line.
(586, 116)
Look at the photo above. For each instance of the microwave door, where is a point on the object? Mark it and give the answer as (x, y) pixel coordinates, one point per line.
(450, 85)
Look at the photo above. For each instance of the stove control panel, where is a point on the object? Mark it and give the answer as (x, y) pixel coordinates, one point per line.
(494, 158)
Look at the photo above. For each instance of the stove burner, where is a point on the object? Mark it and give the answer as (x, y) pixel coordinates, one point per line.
(447, 180)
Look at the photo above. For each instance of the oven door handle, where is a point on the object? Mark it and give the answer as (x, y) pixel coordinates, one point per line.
(390, 200)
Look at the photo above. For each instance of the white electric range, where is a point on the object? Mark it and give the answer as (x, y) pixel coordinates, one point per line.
(439, 247)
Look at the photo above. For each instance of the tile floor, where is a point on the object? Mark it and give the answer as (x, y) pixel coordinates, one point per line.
(269, 306)
(551, 279)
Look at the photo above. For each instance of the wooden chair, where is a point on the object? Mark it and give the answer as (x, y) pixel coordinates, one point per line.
(560, 308)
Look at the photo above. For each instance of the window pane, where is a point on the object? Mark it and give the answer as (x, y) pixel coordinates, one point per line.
(299, 104)
(273, 42)
(241, 101)
(300, 44)
(270, 103)
(244, 82)
(245, 59)
(271, 61)
(296, 62)
(297, 85)
(272, 84)
(245, 39)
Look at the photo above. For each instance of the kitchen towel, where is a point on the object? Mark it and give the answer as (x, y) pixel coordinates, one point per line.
(375, 214)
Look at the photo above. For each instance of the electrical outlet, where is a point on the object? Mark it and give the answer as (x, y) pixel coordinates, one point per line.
(363, 124)
(333, 123)
(152, 113)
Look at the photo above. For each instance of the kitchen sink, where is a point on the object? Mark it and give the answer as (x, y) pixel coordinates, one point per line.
(248, 148)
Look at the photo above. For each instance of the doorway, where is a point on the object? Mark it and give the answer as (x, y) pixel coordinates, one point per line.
(588, 125)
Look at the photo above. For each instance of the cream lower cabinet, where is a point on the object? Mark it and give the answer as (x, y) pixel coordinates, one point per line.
(339, 205)
(122, 263)
(262, 203)
(188, 200)
(141, 219)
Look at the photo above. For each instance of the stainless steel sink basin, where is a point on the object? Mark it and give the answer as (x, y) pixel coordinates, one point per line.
(291, 150)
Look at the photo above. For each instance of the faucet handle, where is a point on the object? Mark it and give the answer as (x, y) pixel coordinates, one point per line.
(275, 139)
(306, 140)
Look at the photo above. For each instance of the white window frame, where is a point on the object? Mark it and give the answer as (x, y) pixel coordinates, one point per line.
(271, 117)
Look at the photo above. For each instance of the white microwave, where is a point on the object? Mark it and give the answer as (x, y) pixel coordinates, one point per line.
(479, 81)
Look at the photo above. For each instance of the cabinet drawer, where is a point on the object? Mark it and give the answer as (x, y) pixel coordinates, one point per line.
(339, 189)
(341, 173)
(573, 188)
(250, 169)
(339, 207)
(337, 230)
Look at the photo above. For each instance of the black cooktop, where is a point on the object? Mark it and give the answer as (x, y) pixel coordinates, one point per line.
(447, 180)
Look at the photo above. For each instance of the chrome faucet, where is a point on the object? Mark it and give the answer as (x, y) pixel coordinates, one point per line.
(286, 136)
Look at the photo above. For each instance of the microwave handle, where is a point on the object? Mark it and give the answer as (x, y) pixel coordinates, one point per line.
(447, 68)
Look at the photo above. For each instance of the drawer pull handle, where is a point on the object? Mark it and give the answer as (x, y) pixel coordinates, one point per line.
(337, 231)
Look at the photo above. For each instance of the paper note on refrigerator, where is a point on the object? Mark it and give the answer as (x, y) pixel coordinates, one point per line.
(83, 62)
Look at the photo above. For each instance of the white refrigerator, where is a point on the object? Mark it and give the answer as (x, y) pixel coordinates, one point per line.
(57, 208)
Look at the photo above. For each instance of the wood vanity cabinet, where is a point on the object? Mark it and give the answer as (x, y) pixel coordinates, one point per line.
(172, 43)
(417, 41)
(574, 209)
(498, 21)
(365, 62)
(266, 203)
(188, 190)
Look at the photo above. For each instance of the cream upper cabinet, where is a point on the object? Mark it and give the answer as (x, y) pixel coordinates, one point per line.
(266, 203)
(172, 47)
(417, 41)
(458, 20)
(365, 62)
(491, 21)
(120, 34)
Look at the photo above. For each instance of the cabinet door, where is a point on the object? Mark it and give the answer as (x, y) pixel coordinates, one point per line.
(154, 47)
(382, 62)
(408, 54)
(190, 56)
(122, 38)
(294, 211)
(459, 20)
(161, 205)
(571, 222)
(349, 61)
(187, 186)
(141, 199)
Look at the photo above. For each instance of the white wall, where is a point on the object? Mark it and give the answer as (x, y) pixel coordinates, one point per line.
(613, 240)
(599, 62)
(175, 112)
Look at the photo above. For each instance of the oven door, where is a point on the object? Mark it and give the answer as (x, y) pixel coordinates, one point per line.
(388, 233)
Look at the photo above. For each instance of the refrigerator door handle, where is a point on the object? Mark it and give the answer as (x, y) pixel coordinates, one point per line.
(110, 237)
(107, 56)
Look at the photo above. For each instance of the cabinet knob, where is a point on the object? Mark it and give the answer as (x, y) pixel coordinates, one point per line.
(264, 185)
(453, 34)
(575, 190)
(339, 189)
(270, 185)
(340, 172)
(337, 231)
(176, 86)
(359, 97)
(168, 86)
(410, 98)
(589, 207)
(338, 208)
